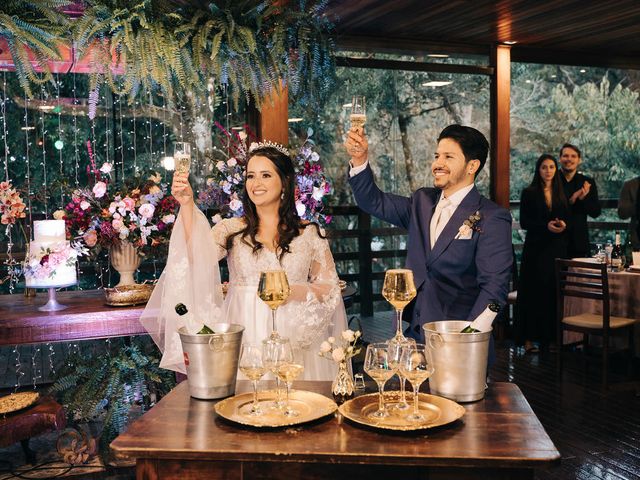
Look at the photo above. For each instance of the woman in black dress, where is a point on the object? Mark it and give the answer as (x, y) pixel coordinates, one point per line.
(544, 212)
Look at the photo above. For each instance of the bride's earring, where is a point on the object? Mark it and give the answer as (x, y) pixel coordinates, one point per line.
(282, 195)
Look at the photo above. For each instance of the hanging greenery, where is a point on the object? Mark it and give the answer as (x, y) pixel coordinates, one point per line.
(35, 27)
(180, 47)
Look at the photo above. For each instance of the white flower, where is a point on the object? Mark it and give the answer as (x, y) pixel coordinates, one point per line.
(58, 214)
(318, 193)
(325, 347)
(314, 157)
(106, 168)
(331, 339)
(169, 218)
(300, 208)
(253, 145)
(232, 162)
(235, 204)
(146, 210)
(464, 231)
(84, 205)
(338, 355)
(216, 218)
(349, 335)
(349, 349)
(242, 135)
(124, 233)
(220, 165)
(99, 189)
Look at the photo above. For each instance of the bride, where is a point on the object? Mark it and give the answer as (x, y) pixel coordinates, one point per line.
(269, 236)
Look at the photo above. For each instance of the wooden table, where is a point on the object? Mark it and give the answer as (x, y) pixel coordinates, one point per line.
(86, 318)
(498, 438)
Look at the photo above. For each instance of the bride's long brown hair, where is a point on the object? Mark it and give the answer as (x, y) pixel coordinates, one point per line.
(289, 224)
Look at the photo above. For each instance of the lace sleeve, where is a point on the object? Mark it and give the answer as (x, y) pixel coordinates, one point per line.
(318, 301)
(220, 232)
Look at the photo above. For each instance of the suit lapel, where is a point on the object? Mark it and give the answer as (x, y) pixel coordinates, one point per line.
(468, 206)
(426, 215)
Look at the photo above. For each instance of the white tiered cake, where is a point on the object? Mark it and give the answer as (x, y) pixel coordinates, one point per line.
(51, 261)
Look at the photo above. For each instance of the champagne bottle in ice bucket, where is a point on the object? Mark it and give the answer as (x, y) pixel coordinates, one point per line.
(483, 322)
(182, 157)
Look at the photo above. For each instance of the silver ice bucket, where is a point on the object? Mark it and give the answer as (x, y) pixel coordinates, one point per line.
(212, 360)
(459, 360)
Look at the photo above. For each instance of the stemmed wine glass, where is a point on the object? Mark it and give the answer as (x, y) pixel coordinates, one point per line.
(289, 367)
(378, 366)
(416, 366)
(182, 157)
(395, 347)
(398, 289)
(273, 289)
(272, 353)
(252, 366)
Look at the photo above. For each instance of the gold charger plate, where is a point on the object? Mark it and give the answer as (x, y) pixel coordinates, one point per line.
(437, 411)
(127, 295)
(17, 401)
(311, 406)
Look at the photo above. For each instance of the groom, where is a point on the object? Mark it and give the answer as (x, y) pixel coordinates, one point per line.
(459, 245)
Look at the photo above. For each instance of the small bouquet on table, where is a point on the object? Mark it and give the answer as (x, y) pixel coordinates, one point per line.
(341, 352)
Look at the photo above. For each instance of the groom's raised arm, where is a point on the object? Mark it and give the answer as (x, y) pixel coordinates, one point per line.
(394, 209)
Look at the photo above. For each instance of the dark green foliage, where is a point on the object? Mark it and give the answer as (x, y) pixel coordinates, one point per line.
(105, 385)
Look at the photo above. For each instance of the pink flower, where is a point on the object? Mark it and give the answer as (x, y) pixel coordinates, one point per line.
(106, 168)
(90, 237)
(117, 224)
(84, 205)
(129, 203)
(146, 210)
(99, 189)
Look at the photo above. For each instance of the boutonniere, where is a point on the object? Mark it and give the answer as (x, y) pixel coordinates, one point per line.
(469, 226)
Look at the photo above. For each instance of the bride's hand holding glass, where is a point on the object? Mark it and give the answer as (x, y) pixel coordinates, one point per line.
(181, 188)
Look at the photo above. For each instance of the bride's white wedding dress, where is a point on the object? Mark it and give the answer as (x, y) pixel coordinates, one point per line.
(192, 277)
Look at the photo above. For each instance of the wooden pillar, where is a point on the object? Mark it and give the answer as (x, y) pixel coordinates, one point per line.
(500, 124)
(273, 117)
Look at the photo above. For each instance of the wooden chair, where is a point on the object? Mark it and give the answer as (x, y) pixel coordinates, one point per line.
(590, 281)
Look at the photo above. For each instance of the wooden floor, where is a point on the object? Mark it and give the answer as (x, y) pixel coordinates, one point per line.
(596, 432)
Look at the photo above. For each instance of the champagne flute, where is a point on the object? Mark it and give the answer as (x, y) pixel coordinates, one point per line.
(416, 366)
(252, 366)
(358, 115)
(182, 157)
(273, 289)
(378, 367)
(396, 346)
(271, 353)
(289, 368)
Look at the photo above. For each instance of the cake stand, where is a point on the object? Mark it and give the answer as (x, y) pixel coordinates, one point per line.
(52, 305)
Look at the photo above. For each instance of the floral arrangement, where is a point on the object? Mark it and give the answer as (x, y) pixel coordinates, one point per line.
(343, 351)
(11, 204)
(43, 263)
(224, 187)
(140, 211)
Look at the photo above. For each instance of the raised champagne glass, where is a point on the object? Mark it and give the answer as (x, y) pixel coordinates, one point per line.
(273, 289)
(252, 365)
(182, 157)
(398, 289)
(358, 115)
(289, 367)
(378, 367)
(416, 366)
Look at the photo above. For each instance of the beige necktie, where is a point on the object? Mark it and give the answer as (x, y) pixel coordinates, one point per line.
(441, 216)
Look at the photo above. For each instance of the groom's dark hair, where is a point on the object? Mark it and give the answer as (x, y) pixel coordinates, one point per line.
(474, 145)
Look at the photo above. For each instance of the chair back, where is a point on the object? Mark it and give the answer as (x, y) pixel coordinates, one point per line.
(576, 278)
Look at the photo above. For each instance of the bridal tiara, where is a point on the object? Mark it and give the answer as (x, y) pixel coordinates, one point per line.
(269, 144)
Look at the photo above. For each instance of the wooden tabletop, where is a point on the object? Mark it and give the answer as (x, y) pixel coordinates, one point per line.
(500, 431)
(87, 317)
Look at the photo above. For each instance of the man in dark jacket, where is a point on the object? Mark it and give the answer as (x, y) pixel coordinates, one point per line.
(582, 193)
(629, 207)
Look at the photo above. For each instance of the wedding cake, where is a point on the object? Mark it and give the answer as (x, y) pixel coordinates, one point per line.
(51, 260)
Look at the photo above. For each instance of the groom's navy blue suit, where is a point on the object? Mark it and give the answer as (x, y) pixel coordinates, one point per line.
(457, 278)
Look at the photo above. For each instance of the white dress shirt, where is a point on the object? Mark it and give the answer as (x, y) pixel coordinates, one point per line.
(445, 209)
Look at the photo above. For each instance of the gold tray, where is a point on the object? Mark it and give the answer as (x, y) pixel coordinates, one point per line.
(437, 411)
(126, 295)
(311, 406)
(17, 401)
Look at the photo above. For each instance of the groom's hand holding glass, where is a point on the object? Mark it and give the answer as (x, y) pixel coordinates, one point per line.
(357, 146)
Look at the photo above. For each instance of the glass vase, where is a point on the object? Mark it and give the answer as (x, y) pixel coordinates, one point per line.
(342, 387)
